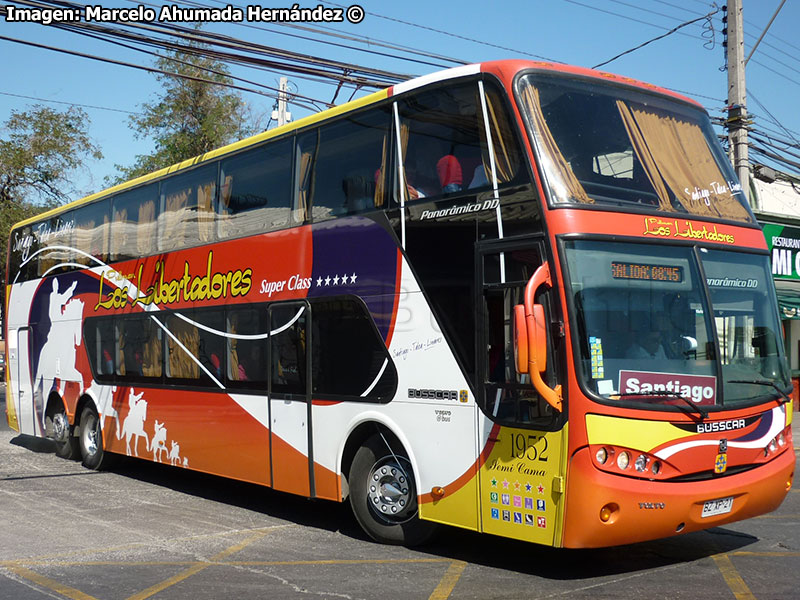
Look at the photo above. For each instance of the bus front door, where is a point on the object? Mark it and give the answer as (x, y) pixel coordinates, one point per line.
(521, 480)
(289, 398)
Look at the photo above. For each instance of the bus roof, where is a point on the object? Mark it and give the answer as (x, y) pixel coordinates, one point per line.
(505, 69)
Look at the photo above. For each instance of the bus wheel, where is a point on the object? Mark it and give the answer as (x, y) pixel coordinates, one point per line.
(91, 440)
(383, 495)
(67, 445)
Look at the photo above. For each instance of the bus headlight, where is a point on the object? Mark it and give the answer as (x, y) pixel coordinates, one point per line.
(601, 455)
(641, 463)
(623, 460)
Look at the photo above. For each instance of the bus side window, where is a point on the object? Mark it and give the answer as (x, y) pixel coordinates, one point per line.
(99, 335)
(349, 163)
(444, 143)
(91, 233)
(133, 223)
(365, 370)
(187, 203)
(211, 345)
(23, 257)
(55, 237)
(247, 357)
(288, 348)
(138, 348)
(255, 190)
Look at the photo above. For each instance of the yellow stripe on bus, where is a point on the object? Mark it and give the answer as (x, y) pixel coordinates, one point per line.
(633, 433)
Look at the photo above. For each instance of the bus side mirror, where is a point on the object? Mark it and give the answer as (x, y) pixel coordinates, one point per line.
(520, 339)
(530, 338)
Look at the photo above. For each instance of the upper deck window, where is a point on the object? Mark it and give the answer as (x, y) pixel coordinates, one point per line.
(443, 139)
(609, 145)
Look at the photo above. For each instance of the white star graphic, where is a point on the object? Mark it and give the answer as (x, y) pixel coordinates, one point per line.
(353, 278)
(319, 282)
(336, 280)
(327, 281)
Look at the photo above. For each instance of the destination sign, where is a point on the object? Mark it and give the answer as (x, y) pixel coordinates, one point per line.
(642, 272)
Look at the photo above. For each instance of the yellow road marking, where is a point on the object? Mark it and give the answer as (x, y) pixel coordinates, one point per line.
(194, 569)
(49, 584)
(448, 582)
(732, 578)
(764, 554)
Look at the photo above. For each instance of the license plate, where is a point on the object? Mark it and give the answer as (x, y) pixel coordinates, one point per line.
(717, 507)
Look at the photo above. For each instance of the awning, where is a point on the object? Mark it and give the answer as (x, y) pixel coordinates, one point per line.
(788, 299)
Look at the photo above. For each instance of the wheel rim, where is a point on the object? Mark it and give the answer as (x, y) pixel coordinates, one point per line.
(390, 491)
(90, 436)
(60, 427)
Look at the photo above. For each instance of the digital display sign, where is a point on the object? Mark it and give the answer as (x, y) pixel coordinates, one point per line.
(642, 272)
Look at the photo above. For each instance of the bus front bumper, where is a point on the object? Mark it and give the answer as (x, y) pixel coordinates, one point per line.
(604, 509)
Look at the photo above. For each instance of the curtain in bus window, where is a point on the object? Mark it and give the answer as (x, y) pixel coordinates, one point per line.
(83, 240)
(565, 184)
(138, 347)
(380, 176)
(247, 347)
(146, 227)
(301, 212)
(205, 211)
(307, 147)
(152, 349)
(234, 371)
(505, 155)
(411, 192)
(91, 233)
(645, 157)
(175, 220)
(685, 162)
(181, 364)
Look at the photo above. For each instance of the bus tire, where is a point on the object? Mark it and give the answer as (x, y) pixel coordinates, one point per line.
(383, 494)
(67, 445)
(91, 440)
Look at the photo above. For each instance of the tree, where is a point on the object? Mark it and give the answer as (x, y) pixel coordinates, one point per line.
(189, 117)
(39, 150)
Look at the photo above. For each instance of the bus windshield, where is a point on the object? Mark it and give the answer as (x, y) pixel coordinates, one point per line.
(617, 146)
(651, 330)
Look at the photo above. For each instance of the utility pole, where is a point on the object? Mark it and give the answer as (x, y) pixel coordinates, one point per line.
(281, 114)
(737, 96)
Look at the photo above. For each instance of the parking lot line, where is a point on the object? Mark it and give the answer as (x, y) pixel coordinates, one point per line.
(732, 577)
(194, 569)
(448, 582)
(49, 584)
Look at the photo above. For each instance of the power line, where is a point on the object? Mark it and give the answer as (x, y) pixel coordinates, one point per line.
(91, 106)
(449, 34)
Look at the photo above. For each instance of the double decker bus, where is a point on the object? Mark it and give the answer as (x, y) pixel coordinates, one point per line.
(515, 297)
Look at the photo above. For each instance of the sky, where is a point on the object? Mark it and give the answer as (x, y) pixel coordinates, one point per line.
(583, 33)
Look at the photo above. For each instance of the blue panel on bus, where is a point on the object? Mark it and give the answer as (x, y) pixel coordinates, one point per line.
(357, 256)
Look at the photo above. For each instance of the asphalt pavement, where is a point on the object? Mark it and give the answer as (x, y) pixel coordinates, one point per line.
(146, 530)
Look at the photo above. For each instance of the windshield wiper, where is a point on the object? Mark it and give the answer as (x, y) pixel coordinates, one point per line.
(700, 410)
(785, 397)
